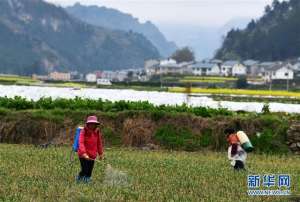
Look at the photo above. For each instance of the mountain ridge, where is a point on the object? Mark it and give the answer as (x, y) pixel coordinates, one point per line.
(117, 20)
(275, 36)
(39, 37)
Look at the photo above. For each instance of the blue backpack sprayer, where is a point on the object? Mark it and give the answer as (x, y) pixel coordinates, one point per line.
(75, 145)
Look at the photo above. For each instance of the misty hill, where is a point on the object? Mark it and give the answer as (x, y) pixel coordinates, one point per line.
(116, 20)
(234, 23)
(275, 36)
(38, 37)
(204, 40)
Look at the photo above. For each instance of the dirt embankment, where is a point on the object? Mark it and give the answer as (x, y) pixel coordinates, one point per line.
(132, 129)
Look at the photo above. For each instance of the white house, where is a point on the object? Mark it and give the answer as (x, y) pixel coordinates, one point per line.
(203, 69)
(296, 69)
(233, 68)
(284, 73)
(265, 66)
(110, 75)
(170, 66)
(296, 66)
(91, 77)
(167, 62)
(184, 68)
(239, 70)
(152, 67)
(278, 72)
(60, 76)
(121, 75)
(105, 82)
(252, 67)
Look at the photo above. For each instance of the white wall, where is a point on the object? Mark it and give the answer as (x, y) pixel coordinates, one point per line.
(215, 71)
(283, 73)
(239, 69)
(225, 70)
(91, 78)
(197, 71)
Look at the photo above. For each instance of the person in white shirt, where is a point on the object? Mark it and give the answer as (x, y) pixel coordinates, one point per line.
(236, 154)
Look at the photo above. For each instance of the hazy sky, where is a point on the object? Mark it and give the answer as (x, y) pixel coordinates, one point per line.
(191, 12)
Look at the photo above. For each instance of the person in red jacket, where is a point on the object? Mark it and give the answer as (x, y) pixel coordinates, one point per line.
(90, 145)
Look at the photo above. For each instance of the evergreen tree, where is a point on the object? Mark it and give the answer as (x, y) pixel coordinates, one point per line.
(275, 36)
(183, 55)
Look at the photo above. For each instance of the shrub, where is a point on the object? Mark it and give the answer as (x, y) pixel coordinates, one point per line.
(177, 138)
(4, 112)
(206, 138)
(242, 83)
(44, 103)
(169, 137)
(273, 136)
(201, 111)
(157, 115)
(77, 103)
(266, 109)
(111, 137)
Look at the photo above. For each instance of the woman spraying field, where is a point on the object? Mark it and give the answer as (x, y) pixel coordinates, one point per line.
(90, 145)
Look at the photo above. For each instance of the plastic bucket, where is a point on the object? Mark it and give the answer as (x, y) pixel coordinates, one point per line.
(247, 146)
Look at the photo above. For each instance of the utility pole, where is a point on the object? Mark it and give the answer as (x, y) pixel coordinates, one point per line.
(188, 91)
(160, 76)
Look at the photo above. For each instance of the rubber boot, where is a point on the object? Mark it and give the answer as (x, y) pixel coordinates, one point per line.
(79, 179)
(87, 180)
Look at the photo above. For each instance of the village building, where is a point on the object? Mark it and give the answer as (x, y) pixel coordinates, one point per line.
(152, 67)
(104, 82)
(76, 76)
(40, 77)
(91, 78)
(216, 61)
(121, 75)
(205, 69)
(266, 65)
(60, 76)
(278, 72)
(98, 74)
(169, 66)
(233, 68)
(110, 75)
(252, 67)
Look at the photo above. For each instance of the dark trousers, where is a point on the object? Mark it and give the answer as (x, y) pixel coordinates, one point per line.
(239, 165)
(86, 167)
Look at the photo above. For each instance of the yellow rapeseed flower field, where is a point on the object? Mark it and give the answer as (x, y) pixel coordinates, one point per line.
(237, 92)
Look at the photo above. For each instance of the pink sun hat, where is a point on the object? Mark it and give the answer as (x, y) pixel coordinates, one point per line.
(92, 119)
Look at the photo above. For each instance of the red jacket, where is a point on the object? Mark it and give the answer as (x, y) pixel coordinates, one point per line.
(90, 143)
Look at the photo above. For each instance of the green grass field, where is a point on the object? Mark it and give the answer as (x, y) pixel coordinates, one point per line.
(21, 80)
(34, 174)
